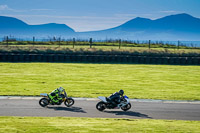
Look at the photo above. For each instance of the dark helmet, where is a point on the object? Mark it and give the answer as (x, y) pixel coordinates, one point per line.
(121, 92)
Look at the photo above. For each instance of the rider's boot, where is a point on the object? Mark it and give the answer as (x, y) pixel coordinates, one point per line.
(60, 100)
(52, 99)
(114, 104)
(118, 106)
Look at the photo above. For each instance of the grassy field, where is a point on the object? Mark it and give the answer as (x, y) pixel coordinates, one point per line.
(98, 43)
(96, 47)
(94, 125)
(92, 80)
(113, 50)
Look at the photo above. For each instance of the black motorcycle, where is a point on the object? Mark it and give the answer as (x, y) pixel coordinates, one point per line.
(106, 104)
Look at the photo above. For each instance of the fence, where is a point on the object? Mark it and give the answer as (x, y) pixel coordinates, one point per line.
(92, 42)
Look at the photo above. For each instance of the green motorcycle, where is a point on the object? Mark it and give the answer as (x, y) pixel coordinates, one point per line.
(46, 100)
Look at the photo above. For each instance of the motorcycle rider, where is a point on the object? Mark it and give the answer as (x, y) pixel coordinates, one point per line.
(55, 95)
(115, 98)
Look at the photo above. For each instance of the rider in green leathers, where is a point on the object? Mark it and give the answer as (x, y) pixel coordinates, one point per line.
(55, 95)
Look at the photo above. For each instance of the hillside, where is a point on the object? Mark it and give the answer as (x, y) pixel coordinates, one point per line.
(182, 27)
(174, 27)
(16, 27)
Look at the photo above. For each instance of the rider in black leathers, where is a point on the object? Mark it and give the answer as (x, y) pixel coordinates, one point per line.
(115, 98)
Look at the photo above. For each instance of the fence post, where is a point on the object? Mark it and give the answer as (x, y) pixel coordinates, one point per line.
(7, 40)
(178, 44)
(59, 41)
(74, 41)
(33, 39)
(90, 42)
(120, 43)
(149, 44)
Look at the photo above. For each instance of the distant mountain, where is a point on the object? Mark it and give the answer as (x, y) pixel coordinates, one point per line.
(180, 22)
(173, 27)
(16, 27)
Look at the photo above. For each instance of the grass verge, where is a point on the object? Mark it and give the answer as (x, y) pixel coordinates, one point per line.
(99, 50)
(92, 80)
(67, 124)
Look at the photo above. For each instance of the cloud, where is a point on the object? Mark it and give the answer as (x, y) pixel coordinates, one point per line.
(169, 11)
(125, 15)
(4, 7)
(41, 10)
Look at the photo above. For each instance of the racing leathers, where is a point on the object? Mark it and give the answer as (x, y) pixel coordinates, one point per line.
(55, 95)
(115, 99)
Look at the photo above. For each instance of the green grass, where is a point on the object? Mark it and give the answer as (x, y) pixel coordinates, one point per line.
(94, 125)
(66, 124)
(86, 43)
(92, 80)
(124, 43)
(111, 50)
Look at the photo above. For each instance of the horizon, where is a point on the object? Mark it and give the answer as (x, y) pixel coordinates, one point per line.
(91, 15)
(104, 29)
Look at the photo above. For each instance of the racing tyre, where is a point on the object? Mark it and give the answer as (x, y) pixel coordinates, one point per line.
(126, 107)
(69, 102)
(44, 102)
(100, 106)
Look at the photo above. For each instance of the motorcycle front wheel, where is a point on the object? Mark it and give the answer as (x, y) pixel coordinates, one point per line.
(69, 102)
(100, 106)
(44, 102)
(126, 107)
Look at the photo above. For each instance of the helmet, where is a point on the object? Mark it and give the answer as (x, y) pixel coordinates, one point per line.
(61, 89)
(121, 92)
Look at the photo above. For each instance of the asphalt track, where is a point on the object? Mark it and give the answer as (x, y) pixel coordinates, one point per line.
(87, 108)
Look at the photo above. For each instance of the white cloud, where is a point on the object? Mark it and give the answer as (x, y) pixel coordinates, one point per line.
(4, 7)
(126, 15)
(41, 10)
(169, 11)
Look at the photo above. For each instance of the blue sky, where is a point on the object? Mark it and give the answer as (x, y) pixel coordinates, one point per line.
(87, 15)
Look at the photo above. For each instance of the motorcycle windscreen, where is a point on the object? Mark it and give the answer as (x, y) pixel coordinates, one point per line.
(125, 97)
(102, 98)
(43, 94)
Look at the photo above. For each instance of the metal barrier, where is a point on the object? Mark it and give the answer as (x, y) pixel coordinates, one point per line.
(8, 57)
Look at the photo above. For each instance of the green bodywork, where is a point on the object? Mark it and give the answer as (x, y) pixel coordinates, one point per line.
(55, 98)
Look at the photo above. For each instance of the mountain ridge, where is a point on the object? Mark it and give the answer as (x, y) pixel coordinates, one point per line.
(10, 25)
(173, 27)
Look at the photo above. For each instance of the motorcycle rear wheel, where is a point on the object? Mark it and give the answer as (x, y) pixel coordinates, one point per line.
(100, 106)
(44, 102)
(69, 102)
(127, 107)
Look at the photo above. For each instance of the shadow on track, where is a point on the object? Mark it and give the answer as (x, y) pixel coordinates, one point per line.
(129, 113)
(72, 109)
